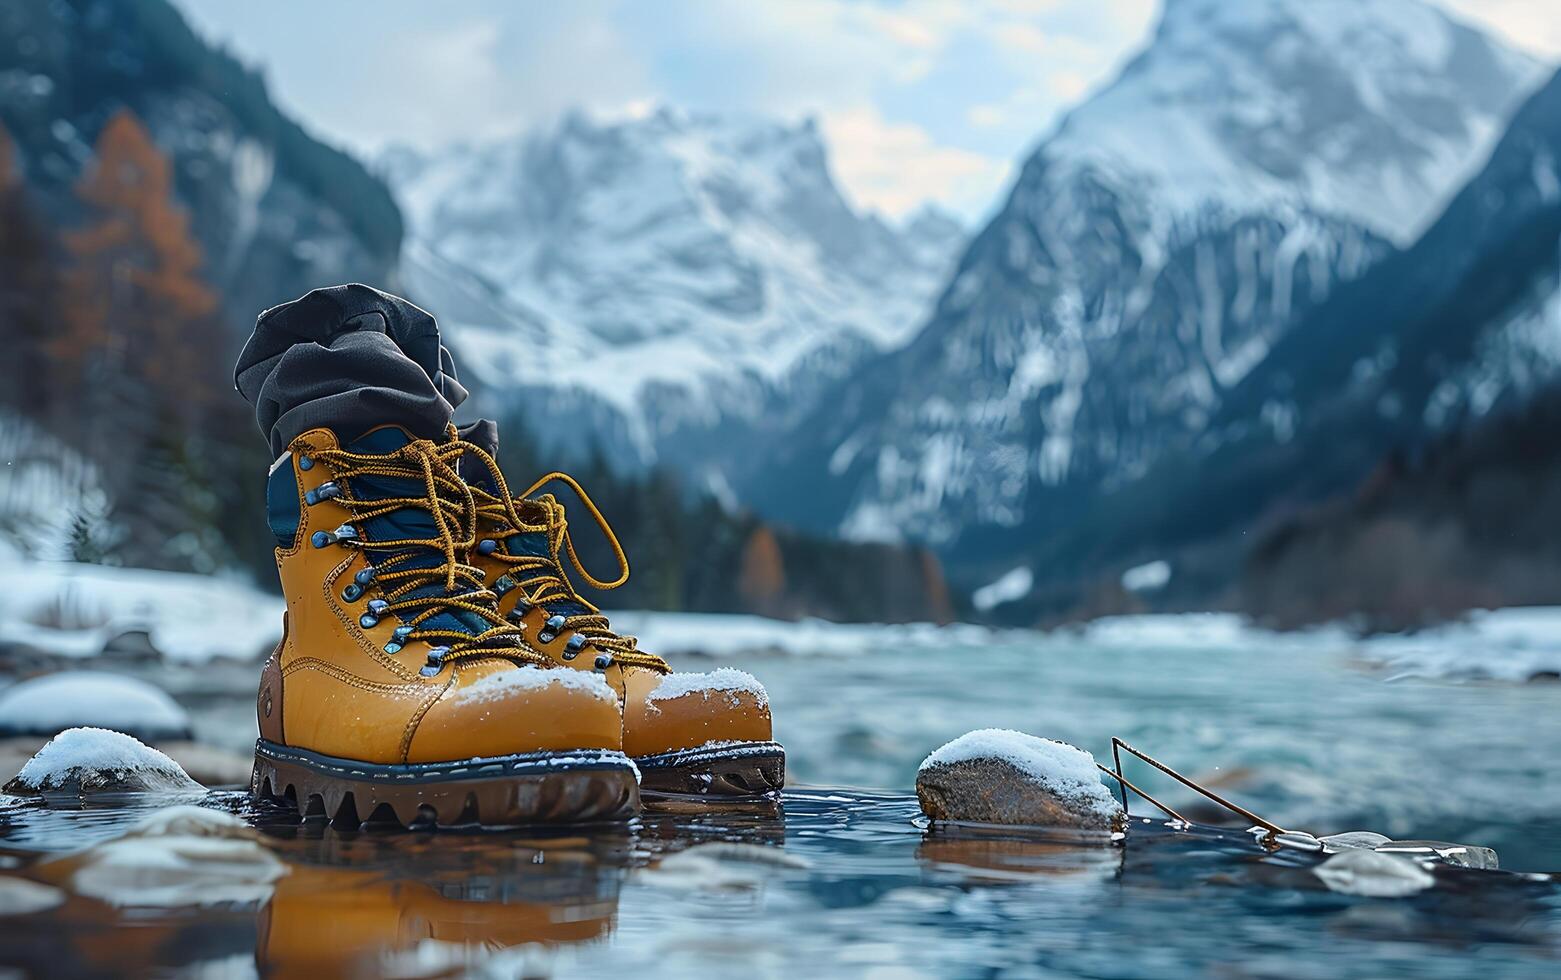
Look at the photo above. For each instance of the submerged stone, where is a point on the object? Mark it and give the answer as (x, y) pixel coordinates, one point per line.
(18, 896)
(1005, 777)
(178, 856)
(1373, 874)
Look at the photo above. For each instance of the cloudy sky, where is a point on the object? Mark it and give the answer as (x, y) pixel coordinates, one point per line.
(920, 99)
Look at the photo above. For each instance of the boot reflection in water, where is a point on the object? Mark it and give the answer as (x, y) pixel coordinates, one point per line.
(340, 922)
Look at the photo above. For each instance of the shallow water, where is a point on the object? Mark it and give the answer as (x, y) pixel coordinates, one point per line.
(848, 882)
(1298, 730)
(839, 883)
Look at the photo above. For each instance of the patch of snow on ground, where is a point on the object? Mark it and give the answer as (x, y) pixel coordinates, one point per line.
(723, 680)
(52, 703)
(500, 685)
(1147, 577)
(98, 757)
(1015, 584)
(1065, 769)
(732, 635)
(1502, 644)
(72, 609)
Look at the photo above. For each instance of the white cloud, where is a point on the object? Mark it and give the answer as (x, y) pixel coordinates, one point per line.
(897, 167)
(1532, 25)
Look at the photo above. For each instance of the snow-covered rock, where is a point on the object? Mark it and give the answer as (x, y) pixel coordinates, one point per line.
(1372, 874)
(176, 857)
(86, 761)
(50, 704)
(662, 276)
(999, 776)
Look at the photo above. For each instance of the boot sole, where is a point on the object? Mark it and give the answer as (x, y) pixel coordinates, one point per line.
(731, 773)
(584, 786)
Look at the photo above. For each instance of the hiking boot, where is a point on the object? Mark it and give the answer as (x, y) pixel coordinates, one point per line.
(398, 688)
(702, 735)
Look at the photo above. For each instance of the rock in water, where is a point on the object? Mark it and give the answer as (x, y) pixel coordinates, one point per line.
(86, 761)
(50, 704)
(1005, 777)
(1373, 874)
(18, 896)
(177, 856)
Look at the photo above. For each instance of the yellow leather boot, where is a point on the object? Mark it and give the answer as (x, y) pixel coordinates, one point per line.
(398, 688)
(700, 735)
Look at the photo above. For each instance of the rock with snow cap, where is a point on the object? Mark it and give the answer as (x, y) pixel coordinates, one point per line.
(87, 761)
(996, 776)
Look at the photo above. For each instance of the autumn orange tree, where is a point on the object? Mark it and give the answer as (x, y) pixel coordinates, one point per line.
(139, 350)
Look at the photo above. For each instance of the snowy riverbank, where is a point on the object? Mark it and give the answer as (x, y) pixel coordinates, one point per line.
(81, 612)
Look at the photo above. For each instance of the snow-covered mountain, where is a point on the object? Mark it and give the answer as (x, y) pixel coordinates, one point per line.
(1153, 251)
(663, 277)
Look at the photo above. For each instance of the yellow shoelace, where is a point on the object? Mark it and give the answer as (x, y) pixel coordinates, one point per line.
(542, 579)
(448, 499)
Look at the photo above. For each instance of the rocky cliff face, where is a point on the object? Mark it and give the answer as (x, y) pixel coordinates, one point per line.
(667, 282)
(1156, 250)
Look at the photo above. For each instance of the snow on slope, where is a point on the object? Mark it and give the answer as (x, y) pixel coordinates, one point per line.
(1153, 252)
(704, 257)
(1375, 112)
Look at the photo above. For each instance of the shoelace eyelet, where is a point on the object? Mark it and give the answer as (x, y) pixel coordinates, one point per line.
(603, 661)
(364, 576)
(435, 661)
(550, 629)
(345, 532)
(574, 646)
(324, 491)
(377, 610)
(487, 546)
(353, 592)
(305, 463)
(503, 586)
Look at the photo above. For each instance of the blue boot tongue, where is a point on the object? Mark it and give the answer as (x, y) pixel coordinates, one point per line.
(404, 523)
(535, 543)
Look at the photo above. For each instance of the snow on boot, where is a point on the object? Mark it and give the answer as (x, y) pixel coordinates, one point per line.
(704, 735)
(398, 688)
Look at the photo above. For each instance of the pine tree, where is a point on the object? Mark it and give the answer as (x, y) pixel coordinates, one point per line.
(29, 294)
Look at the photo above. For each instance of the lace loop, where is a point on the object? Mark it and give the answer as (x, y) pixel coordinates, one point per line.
(542, 579)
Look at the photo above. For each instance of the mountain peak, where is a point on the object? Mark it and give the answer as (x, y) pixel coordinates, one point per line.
(1361, 111)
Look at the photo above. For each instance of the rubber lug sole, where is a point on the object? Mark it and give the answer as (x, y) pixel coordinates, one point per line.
(714, 774)
(584, 786)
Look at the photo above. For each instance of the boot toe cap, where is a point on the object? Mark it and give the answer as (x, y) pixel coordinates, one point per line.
(687, 710)
(495, 709)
